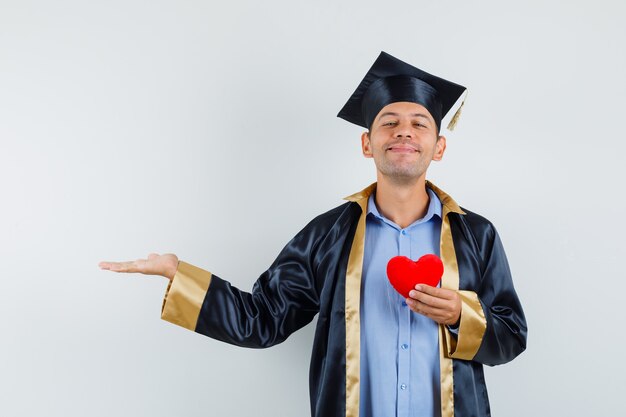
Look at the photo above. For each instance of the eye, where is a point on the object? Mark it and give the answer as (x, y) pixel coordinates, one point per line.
(389, 123)
(419, 124)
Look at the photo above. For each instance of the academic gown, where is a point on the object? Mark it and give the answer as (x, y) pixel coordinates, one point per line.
(319, 272)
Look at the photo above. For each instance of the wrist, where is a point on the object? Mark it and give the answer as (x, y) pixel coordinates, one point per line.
(172, 271)
(456, 324)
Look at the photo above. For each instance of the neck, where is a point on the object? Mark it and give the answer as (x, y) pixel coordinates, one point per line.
(402, 203)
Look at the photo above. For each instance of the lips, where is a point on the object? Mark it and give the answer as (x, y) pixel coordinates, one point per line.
(401, 148)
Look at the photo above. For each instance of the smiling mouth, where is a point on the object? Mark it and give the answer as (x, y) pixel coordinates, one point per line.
(408, 149)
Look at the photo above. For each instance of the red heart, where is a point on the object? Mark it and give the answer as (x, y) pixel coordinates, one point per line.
(404, 274)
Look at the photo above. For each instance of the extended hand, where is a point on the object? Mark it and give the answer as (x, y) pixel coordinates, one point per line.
(164, 265)
(439, 304)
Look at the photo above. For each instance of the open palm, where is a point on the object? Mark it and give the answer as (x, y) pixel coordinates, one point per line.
(164, 265)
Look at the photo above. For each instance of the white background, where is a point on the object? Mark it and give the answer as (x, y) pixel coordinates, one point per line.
(208, 129)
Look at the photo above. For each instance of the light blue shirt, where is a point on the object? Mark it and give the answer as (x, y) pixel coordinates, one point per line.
(399, 348)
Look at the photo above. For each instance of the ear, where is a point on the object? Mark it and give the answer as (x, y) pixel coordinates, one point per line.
(366, 145)
(440, 148)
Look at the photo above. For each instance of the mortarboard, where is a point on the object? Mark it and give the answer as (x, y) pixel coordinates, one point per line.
(390, 80)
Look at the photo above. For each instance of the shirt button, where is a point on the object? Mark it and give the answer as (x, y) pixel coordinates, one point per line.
(404, 303)
(403, 386)
(403, 232)
(405, 346)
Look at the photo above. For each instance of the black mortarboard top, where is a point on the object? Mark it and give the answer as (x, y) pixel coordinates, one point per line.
(390, 80)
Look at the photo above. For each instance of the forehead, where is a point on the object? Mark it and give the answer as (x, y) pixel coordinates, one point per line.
(404, 108)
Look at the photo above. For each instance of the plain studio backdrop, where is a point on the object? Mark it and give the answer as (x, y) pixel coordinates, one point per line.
(209, 129)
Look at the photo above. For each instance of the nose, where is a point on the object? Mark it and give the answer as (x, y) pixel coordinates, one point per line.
(403, 129)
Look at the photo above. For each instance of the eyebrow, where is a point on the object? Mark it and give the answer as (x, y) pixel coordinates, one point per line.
(389, 113)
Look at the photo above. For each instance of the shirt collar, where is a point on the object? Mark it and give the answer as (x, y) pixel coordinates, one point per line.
(434, 208)
(447, 202)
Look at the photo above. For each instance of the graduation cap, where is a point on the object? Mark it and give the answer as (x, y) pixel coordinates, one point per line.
(390, 80)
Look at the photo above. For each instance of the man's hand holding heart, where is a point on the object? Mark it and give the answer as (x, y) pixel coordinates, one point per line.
(417, 282)
(440, 304)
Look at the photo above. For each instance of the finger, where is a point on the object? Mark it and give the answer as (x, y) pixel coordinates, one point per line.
(436, 291)
(428, 299)
(425, 310)
(120, 266)
(441, 316)
(108, 265)
(129, 266)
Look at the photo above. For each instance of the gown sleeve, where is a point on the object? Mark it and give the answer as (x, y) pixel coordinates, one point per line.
(492, 328)
(283, 299)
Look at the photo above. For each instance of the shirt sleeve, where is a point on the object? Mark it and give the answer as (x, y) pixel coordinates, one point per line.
(454, 329)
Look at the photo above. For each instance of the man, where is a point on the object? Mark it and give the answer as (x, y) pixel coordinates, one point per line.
(375, 353)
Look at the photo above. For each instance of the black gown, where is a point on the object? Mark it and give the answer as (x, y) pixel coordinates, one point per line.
(319, 272)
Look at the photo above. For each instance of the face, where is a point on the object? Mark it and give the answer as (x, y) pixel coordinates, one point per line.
(403, 140)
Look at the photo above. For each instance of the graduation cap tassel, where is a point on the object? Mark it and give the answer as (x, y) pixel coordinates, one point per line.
(457, 114)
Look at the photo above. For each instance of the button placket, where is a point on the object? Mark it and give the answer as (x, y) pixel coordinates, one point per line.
(404, 335)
